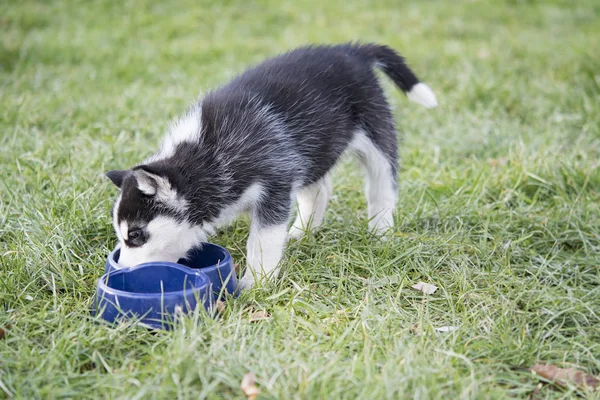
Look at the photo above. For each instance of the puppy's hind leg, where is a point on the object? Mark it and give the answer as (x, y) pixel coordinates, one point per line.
(381, 185)
(312, 203)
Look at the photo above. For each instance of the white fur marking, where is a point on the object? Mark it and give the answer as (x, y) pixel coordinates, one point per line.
(251, 196)
(118, 229)
(380, 188)
(312, 203)
(124, 230)
(160, 187)
(264, 251)
(423, 95)
(185, 129)
(146, 182)
(168, 240)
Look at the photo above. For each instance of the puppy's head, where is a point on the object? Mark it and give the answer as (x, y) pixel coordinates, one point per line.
(149, 216)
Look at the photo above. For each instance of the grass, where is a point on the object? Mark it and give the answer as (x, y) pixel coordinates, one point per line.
(499, 203)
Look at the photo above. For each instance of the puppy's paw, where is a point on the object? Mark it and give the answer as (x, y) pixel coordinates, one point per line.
(385, 236)
(382, 232)
(382, 226)
(295, 233)
(250, 281)
(247, 281)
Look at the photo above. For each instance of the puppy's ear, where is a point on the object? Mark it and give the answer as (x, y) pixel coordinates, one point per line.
(151, 182)
(117, 176)
(159, 181)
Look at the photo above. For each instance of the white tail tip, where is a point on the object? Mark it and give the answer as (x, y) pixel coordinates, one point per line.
(422, 94)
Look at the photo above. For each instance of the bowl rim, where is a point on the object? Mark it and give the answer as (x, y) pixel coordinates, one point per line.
(118, 267)
(102, 287)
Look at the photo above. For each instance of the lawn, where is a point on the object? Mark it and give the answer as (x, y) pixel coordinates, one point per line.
(499, 203)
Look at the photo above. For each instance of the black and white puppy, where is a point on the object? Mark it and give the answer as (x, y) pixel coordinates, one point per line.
(268, 138)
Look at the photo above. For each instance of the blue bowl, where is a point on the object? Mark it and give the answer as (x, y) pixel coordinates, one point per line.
(214, 261)
(152, 292)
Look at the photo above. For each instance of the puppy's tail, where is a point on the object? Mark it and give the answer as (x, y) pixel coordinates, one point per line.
(393, 65)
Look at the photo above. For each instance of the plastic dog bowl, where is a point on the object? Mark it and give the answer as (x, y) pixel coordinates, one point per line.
(215, 261)
(152, 292)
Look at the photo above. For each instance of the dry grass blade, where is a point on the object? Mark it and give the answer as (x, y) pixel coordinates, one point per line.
(500, 162)
(248, 386)
(259, 316)
(565, 376)
(537, 393)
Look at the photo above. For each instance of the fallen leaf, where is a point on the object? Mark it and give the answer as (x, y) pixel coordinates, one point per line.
(563, 377)
(3, 330)
(500, 162)
(220, 306)
(414, 329)
(248, 386)
(88, 366)
(483, 53)
(259, 316)
(426, 288)
(447, 328)
(236, 267)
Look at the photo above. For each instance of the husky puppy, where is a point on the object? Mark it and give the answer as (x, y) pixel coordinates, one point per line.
(268, 138)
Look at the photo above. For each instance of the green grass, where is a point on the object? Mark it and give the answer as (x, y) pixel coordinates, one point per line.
(499, 203)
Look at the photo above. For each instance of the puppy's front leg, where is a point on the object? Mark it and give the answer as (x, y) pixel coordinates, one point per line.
(264, 250)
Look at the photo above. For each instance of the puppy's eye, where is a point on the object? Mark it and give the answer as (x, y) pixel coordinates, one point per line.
(136, 237)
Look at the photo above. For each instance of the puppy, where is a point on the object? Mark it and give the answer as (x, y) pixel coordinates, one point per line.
(267, 138)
